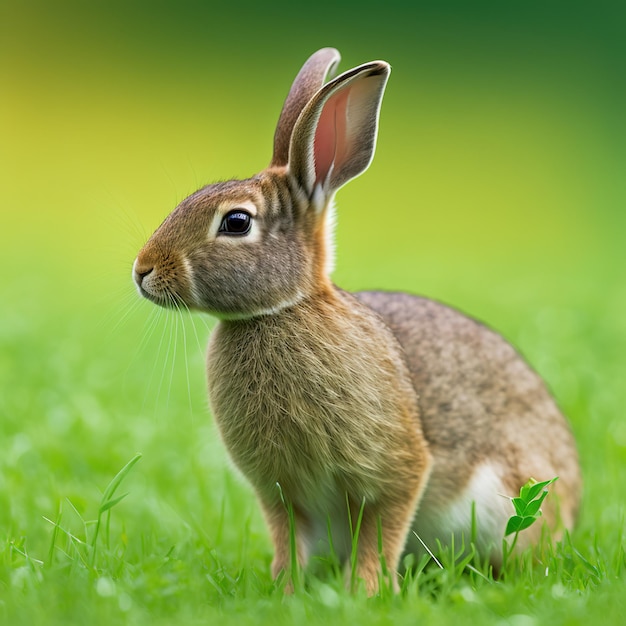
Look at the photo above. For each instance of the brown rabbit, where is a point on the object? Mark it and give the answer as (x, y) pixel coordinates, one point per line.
(336, 404)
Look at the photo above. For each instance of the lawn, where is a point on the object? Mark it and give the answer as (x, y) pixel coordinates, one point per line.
(497, 188)
(84, 394)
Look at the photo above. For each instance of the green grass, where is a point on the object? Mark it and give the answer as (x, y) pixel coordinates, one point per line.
(187, 544)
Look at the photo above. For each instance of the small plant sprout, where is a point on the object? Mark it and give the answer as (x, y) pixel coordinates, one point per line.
(107, 503)
(293, 580)
(85, 546)
(527, 510)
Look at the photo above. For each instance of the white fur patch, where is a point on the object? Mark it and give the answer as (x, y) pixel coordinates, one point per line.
(134, 275)
(484, 492)
(188, 267)
(285, 304)
(329, 233)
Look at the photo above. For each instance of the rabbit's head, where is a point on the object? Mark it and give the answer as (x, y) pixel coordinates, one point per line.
(243, 248)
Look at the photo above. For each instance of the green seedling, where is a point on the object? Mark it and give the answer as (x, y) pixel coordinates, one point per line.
(294, 573)
(108, 502)
(527, 511)
(355, 527)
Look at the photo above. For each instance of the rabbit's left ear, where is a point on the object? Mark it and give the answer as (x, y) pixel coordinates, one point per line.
(306, 84)
(334, 137)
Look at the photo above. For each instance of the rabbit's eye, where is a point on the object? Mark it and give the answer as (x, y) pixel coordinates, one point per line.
(236, 223)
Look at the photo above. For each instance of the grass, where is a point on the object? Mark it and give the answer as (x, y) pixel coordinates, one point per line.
(186, 543)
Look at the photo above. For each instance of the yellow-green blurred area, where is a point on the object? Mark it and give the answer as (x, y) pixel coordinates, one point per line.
(502, 138)
(497, 185)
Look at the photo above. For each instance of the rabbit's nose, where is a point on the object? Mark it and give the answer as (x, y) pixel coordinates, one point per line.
(141, 270)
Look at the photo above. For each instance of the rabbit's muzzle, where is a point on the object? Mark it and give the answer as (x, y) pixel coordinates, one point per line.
(161, 278)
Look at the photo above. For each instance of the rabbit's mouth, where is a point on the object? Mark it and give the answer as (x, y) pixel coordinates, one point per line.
(167, 300)
(153, 286)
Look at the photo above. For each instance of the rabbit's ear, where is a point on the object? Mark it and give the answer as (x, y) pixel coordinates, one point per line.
(334, 138)
(306, 84)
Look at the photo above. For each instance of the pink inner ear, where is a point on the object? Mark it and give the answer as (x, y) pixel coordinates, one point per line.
(329, 145)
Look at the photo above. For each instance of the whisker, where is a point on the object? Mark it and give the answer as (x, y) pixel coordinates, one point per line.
(157, 360)
(149, 327)
(174, 343)
(130, 308)
(123, 218)
(178, 302)
(195, 331)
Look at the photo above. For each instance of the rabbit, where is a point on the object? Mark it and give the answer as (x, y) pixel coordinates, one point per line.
(386, 411)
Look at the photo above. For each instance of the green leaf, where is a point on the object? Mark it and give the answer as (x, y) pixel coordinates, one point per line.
(517, 523)
(525, 509)
(525, 490)
(532, 508)
(117, 480)
(536, 489)
(109, 504)
(514, 525)
(519, 504)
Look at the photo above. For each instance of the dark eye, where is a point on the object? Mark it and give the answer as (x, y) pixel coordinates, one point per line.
(236, 223)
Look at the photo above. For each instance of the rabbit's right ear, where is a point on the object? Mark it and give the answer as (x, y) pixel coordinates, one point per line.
(306, 84)
(334, 138)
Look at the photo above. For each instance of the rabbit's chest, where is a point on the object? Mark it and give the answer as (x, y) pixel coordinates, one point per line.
(278, 431)
(297, 428)
(309, 405)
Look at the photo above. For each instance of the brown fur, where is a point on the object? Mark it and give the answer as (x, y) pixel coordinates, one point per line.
(298, 409)
(480, 402)
(333, 403)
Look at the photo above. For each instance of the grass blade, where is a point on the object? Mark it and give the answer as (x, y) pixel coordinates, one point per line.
(119, 477)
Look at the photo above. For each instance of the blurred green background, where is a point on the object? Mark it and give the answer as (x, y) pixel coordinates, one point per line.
(502, 133)
(497, 187)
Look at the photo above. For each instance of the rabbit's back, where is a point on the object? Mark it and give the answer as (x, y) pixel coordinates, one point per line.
(481, 406)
